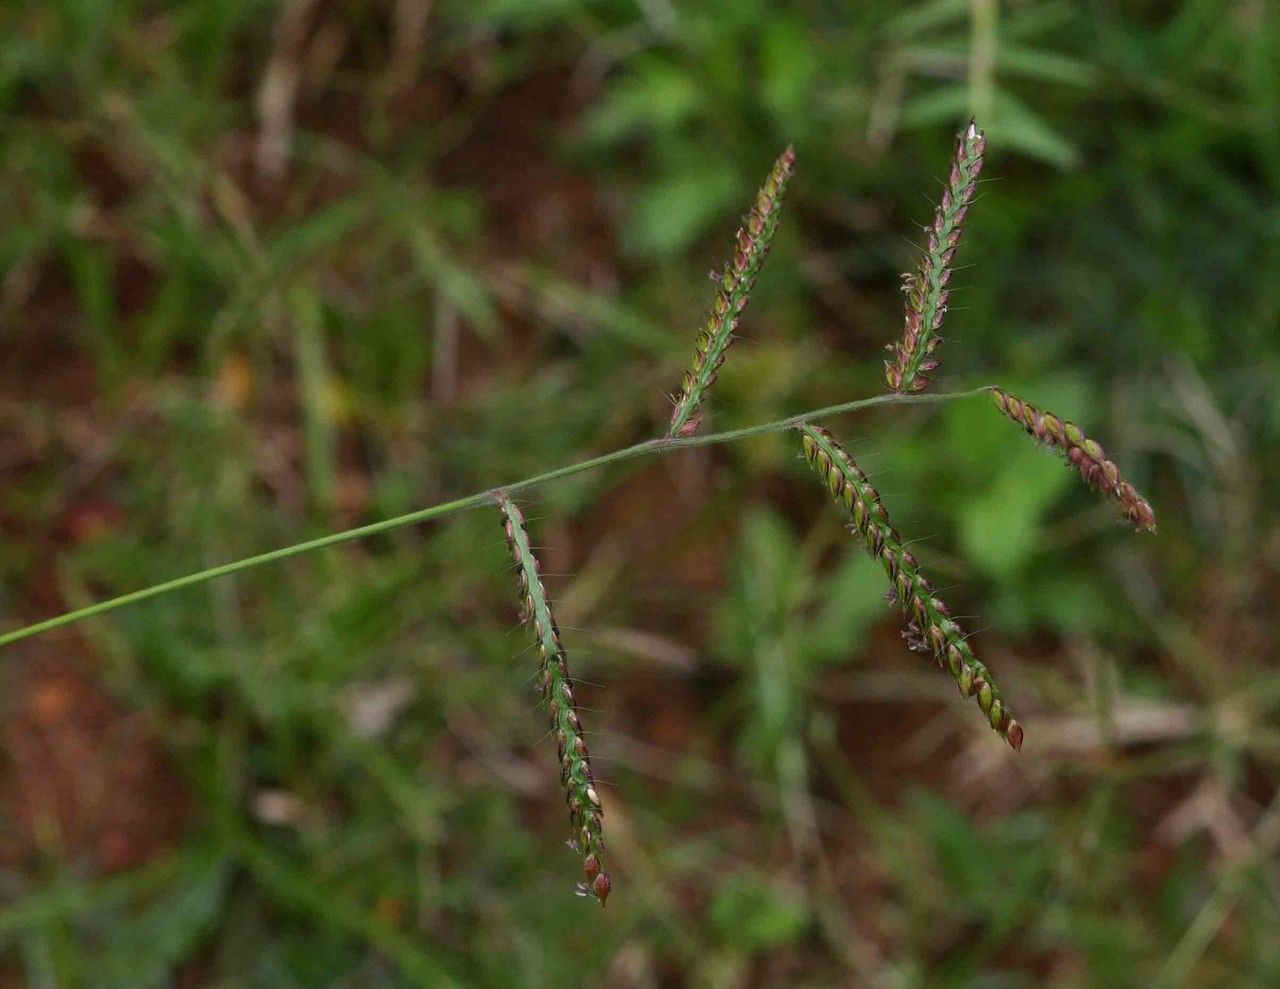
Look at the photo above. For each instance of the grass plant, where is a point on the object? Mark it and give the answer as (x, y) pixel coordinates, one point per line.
(278, 276)
(930, 626)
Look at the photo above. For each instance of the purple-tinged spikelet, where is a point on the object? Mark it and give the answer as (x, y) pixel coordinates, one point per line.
(1086, 455)
(926, 290)
(930, 627)
(556, 688)
(750, 248)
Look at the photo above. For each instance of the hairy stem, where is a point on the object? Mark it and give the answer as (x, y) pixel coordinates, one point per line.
(480, 498)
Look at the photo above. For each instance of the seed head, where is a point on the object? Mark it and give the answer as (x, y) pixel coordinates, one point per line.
(1084, 454)
(556, 687)
(926, 290)
(930, 627)
(750, 248)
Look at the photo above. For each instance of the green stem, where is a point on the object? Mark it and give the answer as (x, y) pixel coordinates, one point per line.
(647, 448)
(984, 18)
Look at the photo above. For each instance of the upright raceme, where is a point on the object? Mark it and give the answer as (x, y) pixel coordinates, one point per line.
(750, 249)
(926, 289)
(930, 627)
(556, 687)
(1085, 455)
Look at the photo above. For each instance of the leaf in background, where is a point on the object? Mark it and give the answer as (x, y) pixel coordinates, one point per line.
(656, 97)
(937, 13)
(753, 915)
(1017, 126)
(1013, 125)
(1000, 870)
(676, 209)
(457, 283)
(144, 950)
(322, 230)
(1000, 527)
(1033, 20)
(1035, 63)
(787, 72)
(952, 56)
(853, 602)
(759, 628)
(1069, 603)
(767, 578)
(602, 315)
(942, 104)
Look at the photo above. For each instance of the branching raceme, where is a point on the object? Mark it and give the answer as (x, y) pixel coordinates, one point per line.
(929, 626)
(556, 687)
(926, 289)
(750, 248)
(1083, 453)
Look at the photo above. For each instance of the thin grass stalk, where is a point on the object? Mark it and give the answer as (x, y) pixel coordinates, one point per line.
(654, 447)
(1086, 455)
(926, 289)
(930, 627)
(556, 687)
(751, 247)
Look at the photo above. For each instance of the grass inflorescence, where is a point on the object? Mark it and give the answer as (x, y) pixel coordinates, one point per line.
(750, 248)
(930, 626)
(556, 687)
(1086, 455)
(926, 289)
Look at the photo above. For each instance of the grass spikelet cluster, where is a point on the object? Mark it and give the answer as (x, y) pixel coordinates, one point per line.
(750, 248)
(556, 688)
(930, 626)
(1086, 455)
(926, 290)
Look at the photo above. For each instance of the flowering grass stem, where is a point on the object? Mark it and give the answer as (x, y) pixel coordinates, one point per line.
(556, 687)
(652, 447)
(750, 248)
(926, 289)
(930, 627)
(1084, 454)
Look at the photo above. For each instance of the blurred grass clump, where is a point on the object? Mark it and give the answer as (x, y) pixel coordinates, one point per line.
(268, 270)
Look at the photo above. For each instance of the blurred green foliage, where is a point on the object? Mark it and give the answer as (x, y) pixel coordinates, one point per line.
(268, 270)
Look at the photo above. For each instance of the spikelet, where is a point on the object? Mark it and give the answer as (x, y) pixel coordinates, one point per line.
(750, 248)
(556, 687)
(926, 290)
(930, 627)
(1086, 455)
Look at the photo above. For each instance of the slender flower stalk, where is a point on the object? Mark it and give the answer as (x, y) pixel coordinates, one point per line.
(926, 290)
(556, 688)
(930, 627)
(1086, 455)
(479, 499)
(751, 247)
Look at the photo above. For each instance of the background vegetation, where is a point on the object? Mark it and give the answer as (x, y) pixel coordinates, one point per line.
(271, 270)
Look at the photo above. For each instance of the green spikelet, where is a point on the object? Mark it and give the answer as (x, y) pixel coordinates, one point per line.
(1084, 454)
(926, 290)
(751, 246)
(556, 687)
(930, 627)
